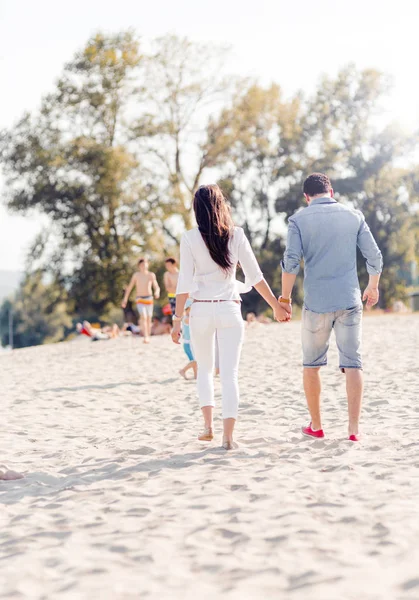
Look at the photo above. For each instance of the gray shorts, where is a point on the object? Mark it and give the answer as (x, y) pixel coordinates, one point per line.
(316, 330)
(145, 306)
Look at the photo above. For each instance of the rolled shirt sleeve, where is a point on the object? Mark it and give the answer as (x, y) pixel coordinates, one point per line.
(294, 251)
(186, 272)
(248, 262)
(369, 249)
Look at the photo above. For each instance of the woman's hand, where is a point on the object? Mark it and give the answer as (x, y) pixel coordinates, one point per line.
(176, 332)
(280, 313)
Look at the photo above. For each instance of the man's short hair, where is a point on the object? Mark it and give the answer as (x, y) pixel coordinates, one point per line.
(141, 261)
(171, 260)
(317, 183)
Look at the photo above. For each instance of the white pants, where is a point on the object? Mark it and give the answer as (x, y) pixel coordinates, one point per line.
(219, 322)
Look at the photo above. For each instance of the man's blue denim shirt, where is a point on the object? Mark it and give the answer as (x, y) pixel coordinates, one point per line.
(326, 234)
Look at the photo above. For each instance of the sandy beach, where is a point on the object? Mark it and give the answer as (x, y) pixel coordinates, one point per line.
(119, 500)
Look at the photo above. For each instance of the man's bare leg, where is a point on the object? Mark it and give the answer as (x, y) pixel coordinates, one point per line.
(148, 329)
(144, 329)
(354, 391)
(312, 389)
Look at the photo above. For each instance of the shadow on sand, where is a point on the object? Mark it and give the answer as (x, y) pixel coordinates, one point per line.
(93, 471)
(108, 386)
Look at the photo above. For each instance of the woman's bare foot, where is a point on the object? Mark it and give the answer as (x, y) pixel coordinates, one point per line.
(228, 444)
(207, 435)
(183, 373)
(146, 340)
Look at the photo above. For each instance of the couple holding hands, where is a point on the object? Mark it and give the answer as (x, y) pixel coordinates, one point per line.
(326, 235)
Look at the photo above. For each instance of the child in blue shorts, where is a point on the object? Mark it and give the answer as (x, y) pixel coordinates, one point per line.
(186, 334)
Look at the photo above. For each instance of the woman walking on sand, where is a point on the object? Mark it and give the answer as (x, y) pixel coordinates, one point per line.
(209, 255)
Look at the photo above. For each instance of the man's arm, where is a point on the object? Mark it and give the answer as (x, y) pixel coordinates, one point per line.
(128, 291)
(371, 252)
(155, 286)
(291, 262)
(288, 280)
(372, 293)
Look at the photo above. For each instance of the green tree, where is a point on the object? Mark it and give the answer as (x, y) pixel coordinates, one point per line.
(334, 130)
(117, 150)
(268, 134)
(73, 163)
(180, 133)
(40, 313)
(108, 157)
(387, 208)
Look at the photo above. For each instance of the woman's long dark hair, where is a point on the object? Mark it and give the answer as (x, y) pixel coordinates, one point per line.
(215, 223)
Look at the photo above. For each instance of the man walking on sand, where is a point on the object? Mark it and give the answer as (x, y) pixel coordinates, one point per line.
(144, 282)
(326, 235)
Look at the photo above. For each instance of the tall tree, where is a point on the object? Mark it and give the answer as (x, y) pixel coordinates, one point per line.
(387, 207)
(115, 154)
(335, 131)
(72, 162)
(180, 134)
(260, 163)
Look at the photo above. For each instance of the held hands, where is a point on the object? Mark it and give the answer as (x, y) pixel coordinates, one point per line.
(371, 295)
(176, 332)
(282, 312)
(287, 306)
(124, 303)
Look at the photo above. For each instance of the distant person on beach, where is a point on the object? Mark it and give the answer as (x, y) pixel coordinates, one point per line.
(209, 255)
(170, 280)
(131, 329)
(186, 335)
(98, 333)
(251, 320)
(158, 327)
(145, 282)
(263, 319)
(326, 235)
(161, 327)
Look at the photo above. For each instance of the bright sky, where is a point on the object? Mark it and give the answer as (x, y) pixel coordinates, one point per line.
(289, 42)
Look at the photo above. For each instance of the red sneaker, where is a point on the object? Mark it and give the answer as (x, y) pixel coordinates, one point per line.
(355, 437)
(318, 433)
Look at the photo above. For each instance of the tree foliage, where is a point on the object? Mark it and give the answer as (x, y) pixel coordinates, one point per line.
(116, 151)
(40, 313)
(72, 162)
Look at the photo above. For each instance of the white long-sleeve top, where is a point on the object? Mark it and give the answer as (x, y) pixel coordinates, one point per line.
(203, 279)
